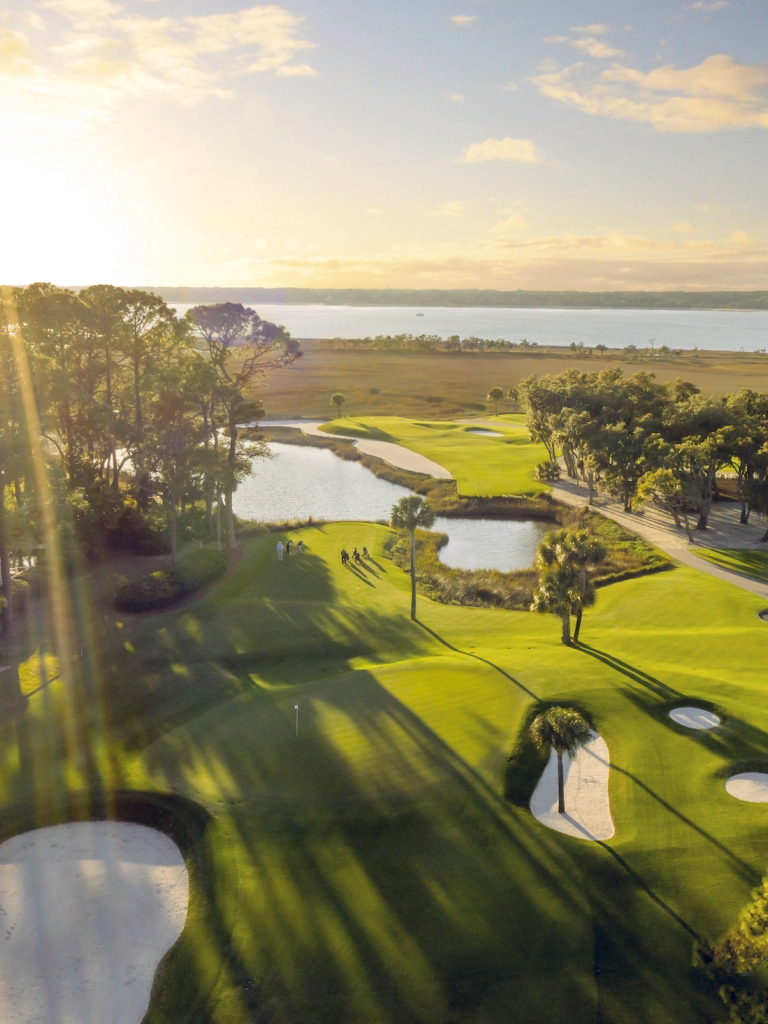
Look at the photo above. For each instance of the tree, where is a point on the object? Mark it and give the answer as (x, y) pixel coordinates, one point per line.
(563, 730)
(338, 400)
(408, 514)
(496, 395)
(564, 590)
(228, 329)
(558, 594)
(666, 490)
(581, 548)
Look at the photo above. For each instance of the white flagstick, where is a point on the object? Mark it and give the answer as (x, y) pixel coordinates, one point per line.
(296, 709)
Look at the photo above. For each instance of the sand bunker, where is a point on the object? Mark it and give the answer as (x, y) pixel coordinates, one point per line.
(87, 911)
(587, 809)
(763, 615)
(485, 433)
(749, 786)
(694, 718)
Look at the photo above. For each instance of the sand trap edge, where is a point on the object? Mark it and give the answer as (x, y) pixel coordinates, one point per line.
(689, 716)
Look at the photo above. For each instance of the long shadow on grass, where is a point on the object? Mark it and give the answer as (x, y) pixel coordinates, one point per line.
(384, 841)
(477, 657)
(635, 674)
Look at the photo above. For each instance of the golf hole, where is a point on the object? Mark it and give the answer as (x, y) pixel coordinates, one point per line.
(694, 718)
(88, 911)
(749, 786)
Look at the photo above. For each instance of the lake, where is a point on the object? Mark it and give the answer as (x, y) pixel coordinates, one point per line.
(729, 330)
(300, 482)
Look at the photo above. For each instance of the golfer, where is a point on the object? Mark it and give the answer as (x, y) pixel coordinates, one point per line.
(279, 551)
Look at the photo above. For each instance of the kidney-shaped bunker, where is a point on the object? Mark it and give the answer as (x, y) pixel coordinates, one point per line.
(89, 910)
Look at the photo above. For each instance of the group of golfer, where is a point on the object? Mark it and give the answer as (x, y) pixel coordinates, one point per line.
(287, 548)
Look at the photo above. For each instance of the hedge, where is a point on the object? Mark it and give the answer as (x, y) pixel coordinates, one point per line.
(192, 572)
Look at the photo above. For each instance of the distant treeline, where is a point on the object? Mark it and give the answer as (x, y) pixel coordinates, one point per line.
(469, 297)
(434, 343)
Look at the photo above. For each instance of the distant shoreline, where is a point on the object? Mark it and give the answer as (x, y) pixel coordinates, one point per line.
(705, 301)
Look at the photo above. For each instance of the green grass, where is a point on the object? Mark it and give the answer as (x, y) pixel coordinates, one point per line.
(747, 561)
(481, 465)
(371, 871)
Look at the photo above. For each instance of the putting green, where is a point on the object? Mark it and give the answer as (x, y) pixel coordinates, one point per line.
(481, 465)
(371, 869)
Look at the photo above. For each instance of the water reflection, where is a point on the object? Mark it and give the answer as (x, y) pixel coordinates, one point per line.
(302, 482)
(490, 543)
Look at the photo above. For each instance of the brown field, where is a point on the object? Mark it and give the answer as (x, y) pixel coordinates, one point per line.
(437, 385)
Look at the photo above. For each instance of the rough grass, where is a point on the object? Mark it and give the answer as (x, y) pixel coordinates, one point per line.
(371, 871)
(165, 587)
(743, 560)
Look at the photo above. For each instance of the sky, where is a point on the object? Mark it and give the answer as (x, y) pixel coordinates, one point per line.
(385, 143)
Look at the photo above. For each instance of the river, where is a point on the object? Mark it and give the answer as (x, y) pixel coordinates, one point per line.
(727, 330)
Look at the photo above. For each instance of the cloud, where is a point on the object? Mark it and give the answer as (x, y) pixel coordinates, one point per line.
(522, 150)
(611, 260)
(464, 20)
(515, 222)
(700, 5)
(720, 93)
(683, 228)
(596, 47)
(455, 97)
(453, 208)
(555, 39)
(100, 56)
(591, 30)
(511, 87)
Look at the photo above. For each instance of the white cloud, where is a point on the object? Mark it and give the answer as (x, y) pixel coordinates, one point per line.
(455, 97)
(101, 56)
(522, 150)
(511, 87)
(683, 228)
(591, 30)
(700, 5)
(596, 47)
(719, 93)
(453, 208)
(464, 20)
(555, 39)
(515, 222)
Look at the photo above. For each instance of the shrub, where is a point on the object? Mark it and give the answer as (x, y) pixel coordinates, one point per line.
(22, 593)
(165, 587)
(133, 532)
(37, 578)
(547, 471)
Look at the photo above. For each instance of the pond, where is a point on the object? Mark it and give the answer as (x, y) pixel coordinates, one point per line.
(301, 482)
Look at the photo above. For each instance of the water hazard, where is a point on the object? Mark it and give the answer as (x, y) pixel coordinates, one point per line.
(302, 482)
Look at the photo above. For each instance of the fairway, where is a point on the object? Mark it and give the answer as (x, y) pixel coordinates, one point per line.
(371, 869)
(481, 465)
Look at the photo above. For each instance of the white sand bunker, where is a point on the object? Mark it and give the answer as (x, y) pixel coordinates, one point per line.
(587, 809)
(87, 911)
(694, 718)
(749, 786)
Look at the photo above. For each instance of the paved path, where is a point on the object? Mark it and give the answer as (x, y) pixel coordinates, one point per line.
(395, 454)
(724, 531)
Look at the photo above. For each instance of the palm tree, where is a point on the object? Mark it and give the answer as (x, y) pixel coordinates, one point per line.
(495, 395)
(408, 514)
(583, 549)
(562, 729)
(577, 548)
(558, 594)
(338, 400)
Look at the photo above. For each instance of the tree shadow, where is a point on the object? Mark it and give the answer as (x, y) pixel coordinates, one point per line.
(635, 674)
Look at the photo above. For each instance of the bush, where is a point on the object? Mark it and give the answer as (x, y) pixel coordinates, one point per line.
(21, 596)
(37, 578)
(547, 471)
(134, 533)
(165, 587)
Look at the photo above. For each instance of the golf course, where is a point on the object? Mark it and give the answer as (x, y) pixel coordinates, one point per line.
(384, 864)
